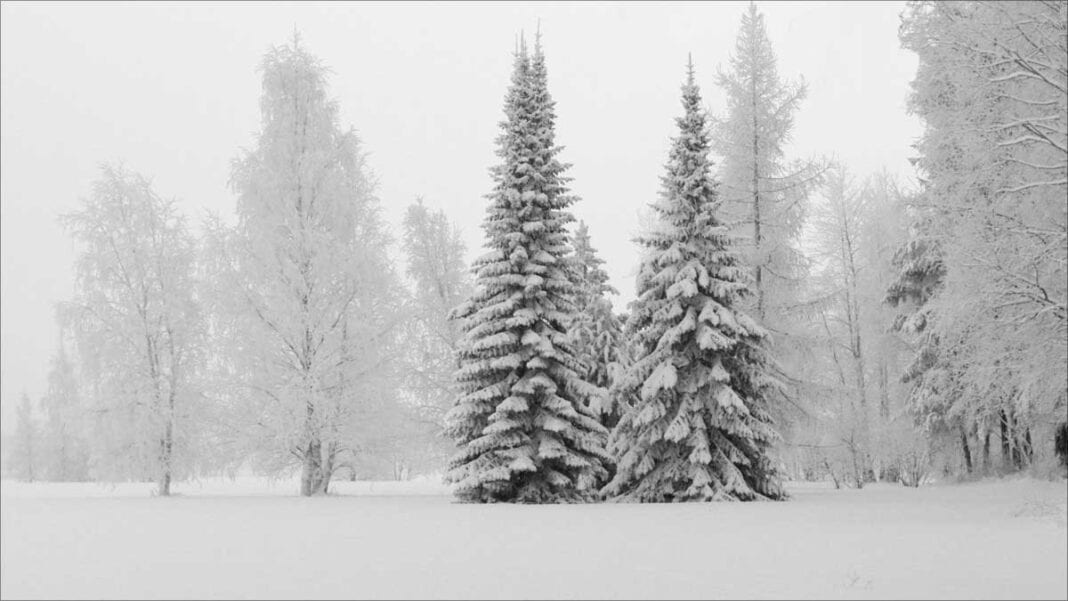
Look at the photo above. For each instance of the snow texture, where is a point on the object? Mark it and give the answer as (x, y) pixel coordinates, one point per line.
(254, 539)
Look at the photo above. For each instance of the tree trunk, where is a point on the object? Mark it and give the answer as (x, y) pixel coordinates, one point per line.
(167, 447)
(1060, 444)
(1023, 452)
(966, 450)
(1006, 444)
(834, 476)
(884, 390)
(757, 240)
(1017, 443)
(986, 451)
(311, 471)
(858, 471)
(327, 468)
(166, 452)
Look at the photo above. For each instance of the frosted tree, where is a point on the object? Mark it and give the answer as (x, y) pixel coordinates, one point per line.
(764, 196)
(65, 454)
(837, 224)
(854, 229)
(308, 303)
(596, 330)
(23, 458)
(521, 421)
(435, 265)
(700, 429)
(993, 94)
(895, 442)
(138, 327)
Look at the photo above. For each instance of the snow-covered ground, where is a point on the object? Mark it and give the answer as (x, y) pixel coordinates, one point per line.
(254, 539)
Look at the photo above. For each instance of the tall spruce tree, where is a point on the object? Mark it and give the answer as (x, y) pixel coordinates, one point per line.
(596, 331)
(700, 428)
(526, 435)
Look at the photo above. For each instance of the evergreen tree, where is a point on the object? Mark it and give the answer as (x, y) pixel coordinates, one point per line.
(596, 331)
(526, 435)
(700, 428)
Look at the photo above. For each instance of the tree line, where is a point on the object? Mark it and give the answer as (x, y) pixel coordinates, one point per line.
(793, 320)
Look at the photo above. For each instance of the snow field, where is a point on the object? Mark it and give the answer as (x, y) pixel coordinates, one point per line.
(255, 539)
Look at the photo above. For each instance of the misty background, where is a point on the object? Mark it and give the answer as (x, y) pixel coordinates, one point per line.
(172, 90)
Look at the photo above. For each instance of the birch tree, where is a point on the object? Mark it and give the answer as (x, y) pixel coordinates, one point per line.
(138, 327)
(435, 265)
(308, 301)
(856, 225)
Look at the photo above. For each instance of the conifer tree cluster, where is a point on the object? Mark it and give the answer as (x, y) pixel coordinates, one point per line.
(700, 429)
(525, 432)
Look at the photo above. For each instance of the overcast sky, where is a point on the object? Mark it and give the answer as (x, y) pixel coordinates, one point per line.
(172, 89)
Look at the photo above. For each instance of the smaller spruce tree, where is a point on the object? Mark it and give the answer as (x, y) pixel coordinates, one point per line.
(699, 428)
(597, 331)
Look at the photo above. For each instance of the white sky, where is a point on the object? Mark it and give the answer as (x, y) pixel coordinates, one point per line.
(173, 90)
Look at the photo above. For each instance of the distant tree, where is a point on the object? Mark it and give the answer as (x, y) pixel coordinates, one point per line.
(524, 430)
(65, 451)
(700, 429)
(138, 327)
(22, 460)
(596, 330)
(307, 306)
(853, 229)
(435, 265)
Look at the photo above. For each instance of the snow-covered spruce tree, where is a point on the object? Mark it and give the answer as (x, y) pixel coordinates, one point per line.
(700, 429)
(524, 432)
(596, 331)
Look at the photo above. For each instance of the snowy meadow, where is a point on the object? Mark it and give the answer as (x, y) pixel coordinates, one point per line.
(757, 308)
(387, 540)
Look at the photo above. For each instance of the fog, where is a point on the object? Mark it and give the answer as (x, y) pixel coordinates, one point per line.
(172, 90)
